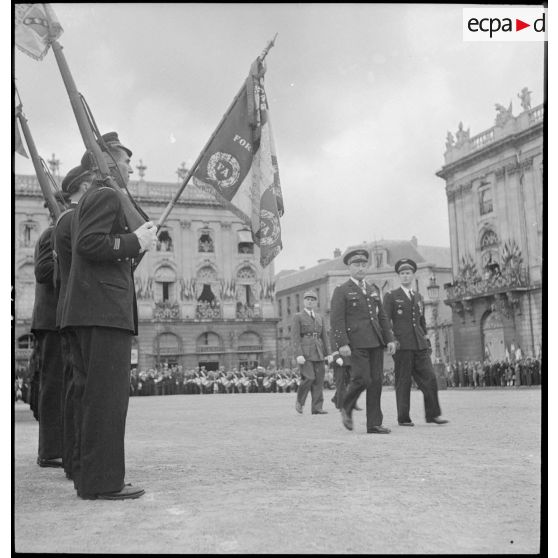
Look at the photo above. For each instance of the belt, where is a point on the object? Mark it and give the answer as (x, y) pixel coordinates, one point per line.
(310, 335)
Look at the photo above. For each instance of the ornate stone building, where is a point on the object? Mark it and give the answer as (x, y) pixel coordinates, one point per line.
(203, 298)
(494, 186)
(434, 269)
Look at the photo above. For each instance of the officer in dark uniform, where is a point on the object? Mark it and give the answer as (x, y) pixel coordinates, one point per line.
(361, 330)
(405, 309)
(43, 326)
(74, 185)
(100, 306)
(310, 346)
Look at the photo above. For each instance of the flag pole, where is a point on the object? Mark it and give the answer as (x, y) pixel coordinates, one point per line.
(44, 183)
(193, 168)
(133, 217)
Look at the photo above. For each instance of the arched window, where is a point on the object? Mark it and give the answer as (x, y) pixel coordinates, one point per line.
(165, 284)
(246, 292)
(208, 341)
(28, 233)
(168, 344)
(208, 305)
(489, 254)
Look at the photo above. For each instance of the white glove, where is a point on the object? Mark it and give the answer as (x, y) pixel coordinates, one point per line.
(300, 359)
(147, 236)
(345, 351)
(339, 361)
(329, 359)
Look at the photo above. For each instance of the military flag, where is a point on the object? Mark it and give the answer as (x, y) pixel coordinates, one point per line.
(18, 143)
(36, 26)
(239, 166)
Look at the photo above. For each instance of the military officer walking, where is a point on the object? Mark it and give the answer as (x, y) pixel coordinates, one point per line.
(311, 346)
(405, 309)
(361, 330)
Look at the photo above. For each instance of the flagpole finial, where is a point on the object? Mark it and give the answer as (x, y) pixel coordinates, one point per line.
(268, 47)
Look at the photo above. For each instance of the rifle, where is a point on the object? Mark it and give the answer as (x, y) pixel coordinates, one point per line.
(135, 216)
(44, 178)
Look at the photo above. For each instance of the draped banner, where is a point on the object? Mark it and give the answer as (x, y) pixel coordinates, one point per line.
(240, 168)
(36, 26)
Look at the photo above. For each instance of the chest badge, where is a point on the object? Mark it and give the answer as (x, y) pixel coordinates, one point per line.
(400, 311)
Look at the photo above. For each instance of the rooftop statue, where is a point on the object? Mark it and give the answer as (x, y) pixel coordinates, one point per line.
(503, 114)
(525, 97)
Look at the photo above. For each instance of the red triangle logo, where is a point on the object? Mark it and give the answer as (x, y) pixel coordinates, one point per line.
(519, 25)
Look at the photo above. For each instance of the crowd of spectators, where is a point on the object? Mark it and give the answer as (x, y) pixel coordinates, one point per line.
(500, 373)
(171, 380)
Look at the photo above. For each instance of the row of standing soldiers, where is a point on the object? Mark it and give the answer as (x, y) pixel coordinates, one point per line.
(521, 372)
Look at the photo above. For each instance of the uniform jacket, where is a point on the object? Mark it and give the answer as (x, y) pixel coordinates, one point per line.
(358, 320)
(309, 336)
(409, 325)
(44, 308)
(100, 290)
(62, 246)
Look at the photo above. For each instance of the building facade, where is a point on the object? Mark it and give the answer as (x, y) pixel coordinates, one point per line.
(203, 298)
(433, 263)
(494, 186)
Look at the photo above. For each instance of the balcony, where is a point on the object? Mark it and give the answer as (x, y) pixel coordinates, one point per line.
(165, 310)
(249, 349)
(209, 349)
(508, 280)
(246, 312)
(208, 311)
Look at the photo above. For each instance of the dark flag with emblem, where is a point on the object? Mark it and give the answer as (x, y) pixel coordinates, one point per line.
(240, 169)
(35, 27)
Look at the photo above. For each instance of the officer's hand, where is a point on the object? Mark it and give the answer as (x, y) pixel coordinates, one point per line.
(339, 361)
(392, 347)
(345, 351)
(329, 359)
(300, 359)
(147, 236)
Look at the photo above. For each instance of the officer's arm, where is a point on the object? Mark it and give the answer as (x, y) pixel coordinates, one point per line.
(94, 238)
(44, 263)
(338, 322)
(388, 307)
(295, 336)
(325, 339)
(385, 324)
(422, 320)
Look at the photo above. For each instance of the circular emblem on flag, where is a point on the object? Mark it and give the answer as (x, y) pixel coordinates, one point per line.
(224, 169)
(270, 230)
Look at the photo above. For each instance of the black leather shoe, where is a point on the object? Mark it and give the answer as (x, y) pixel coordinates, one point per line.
(356, 408)
(409, 423)
(298, 407)
(437, 420)
(49, 462)
(378, 430)
(128, 492)
(322, 412)
(347, 419)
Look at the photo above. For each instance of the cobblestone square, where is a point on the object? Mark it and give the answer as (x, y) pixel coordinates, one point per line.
(244, 473)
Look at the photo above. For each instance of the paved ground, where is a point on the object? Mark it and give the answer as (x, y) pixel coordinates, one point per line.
(244, 473)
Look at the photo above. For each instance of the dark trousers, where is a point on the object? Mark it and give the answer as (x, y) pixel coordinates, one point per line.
(50, 395)
(416, 365)
(101, 395)
(341, 377)
(314, 385)
(68, 338)
(367, 371)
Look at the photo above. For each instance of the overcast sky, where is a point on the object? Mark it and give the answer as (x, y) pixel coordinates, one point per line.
(361, 99)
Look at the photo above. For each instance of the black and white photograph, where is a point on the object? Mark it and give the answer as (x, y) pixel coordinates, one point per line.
(279, 278)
